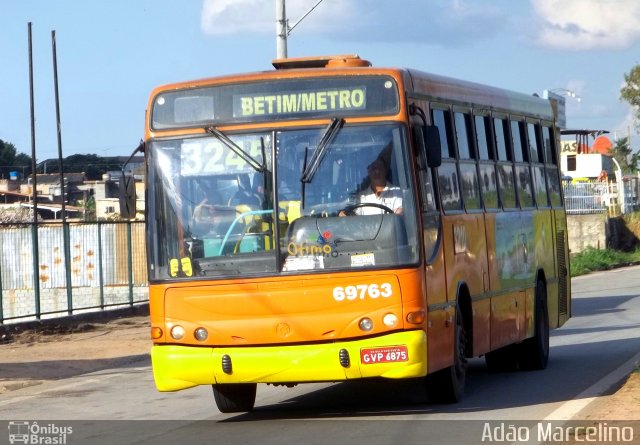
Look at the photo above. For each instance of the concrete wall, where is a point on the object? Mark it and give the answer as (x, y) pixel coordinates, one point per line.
(587, 231)
(19, 304)
(599, 231)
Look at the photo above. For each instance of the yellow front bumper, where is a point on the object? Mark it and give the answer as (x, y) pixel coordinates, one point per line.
(178, 367)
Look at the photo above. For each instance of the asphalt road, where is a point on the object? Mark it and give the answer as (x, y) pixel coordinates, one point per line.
(122, 405)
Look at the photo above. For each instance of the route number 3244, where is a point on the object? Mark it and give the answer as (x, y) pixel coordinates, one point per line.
(362, 291)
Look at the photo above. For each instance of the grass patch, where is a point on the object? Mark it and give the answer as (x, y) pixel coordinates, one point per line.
(632, 221)
(591, 260)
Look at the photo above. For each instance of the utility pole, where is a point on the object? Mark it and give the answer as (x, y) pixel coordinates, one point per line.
(283, 29)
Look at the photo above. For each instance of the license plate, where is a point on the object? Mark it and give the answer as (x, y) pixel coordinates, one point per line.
(388, 354)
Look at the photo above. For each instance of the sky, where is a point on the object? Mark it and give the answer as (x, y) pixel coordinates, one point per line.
(112, 53)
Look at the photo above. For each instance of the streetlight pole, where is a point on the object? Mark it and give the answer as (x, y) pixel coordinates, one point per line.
(566, 92)
(560, 95)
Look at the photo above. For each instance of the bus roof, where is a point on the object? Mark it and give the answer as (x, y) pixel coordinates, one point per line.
(447, 89)
(417, 83)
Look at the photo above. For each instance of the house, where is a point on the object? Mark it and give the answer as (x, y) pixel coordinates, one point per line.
(106, 195)
(16, 192)
(78, 191)
(580, 160)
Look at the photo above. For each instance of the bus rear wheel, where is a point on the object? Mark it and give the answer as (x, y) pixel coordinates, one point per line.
(234, 398)
(533, 353)
(447, 385)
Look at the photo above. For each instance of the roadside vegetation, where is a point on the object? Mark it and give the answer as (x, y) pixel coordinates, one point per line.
(591, 260)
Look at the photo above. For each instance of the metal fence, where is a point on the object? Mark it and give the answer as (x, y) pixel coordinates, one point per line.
(611, 197)
(588, 197)
(51, 270)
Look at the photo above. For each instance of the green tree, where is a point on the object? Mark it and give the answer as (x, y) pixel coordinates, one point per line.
(10, 159)
(630, 92)
(92, 165)
(622, 153)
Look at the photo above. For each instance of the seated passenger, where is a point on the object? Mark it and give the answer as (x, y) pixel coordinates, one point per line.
(245, 195)
(204, 212)
(210, 217)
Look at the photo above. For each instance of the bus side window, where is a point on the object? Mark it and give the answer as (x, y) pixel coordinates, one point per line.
(462, 135)
(449, 186)
(521, 156)
(549, 142)
(534, 140)
(537, 167)
(501, 135)
(505, 166)
(486, 155)
(551, 161)
(467, 156)
(442, 120)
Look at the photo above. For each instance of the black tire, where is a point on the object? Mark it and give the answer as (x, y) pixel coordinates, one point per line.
(447, 385)
(235, 398)
(533, 353)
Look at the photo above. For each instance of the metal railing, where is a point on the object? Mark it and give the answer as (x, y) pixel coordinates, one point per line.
(588, 197)
(55, 269)
(611, 197)
(50, 270)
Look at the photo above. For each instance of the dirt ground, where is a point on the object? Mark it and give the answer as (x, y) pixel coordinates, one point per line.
(56, 351)
(61, 350)
(624, 404)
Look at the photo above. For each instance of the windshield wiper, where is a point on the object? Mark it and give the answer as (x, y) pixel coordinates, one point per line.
(253, 162)
(325, 141)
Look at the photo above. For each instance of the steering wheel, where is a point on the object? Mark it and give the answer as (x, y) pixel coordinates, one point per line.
(349, 210)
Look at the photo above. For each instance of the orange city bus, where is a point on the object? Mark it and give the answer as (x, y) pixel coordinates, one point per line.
(274, 259)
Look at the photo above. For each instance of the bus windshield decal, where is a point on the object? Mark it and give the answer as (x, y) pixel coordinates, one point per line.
(246, 157)
(300, 102)
(208, 156)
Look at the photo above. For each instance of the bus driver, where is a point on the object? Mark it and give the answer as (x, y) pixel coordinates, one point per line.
(379, 191)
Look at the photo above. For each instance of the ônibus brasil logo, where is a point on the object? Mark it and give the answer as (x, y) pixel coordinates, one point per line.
(34, 433)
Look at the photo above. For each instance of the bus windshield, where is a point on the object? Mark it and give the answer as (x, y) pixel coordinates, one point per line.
(217, 216)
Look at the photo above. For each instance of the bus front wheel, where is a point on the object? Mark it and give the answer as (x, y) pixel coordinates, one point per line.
(447, 385)
(235, 398)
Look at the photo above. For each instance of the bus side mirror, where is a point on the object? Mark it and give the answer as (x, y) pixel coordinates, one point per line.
(127, 191)
(427, 138)
(127, 188)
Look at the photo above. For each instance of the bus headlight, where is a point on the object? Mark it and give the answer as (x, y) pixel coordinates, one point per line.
(390, 320)
(201, 334)
(366, 324)
(177, 332)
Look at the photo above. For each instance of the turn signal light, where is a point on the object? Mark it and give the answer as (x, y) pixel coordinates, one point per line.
(416, 317)
(156, 333)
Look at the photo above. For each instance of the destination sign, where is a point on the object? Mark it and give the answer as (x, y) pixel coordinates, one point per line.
(279, 99)
(301, 102)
